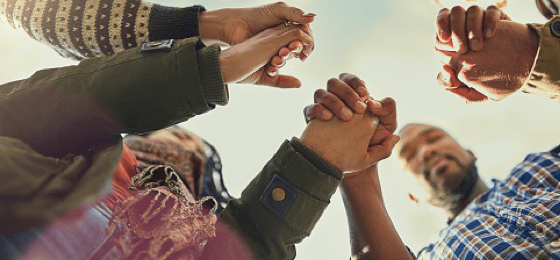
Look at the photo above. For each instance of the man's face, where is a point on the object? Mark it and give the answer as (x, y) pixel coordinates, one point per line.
(436, 160)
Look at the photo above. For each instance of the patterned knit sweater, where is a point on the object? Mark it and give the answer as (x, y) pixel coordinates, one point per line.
(81, 29)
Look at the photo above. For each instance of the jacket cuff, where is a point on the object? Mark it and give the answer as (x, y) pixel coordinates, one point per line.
(543, 79)
(281, 206)
(213, 86)
(173, 23)
(315, 159)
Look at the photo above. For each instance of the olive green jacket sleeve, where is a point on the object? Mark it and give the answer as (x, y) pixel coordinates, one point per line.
(129, 92)
(544, 79)
(278, 209)
(59, 129)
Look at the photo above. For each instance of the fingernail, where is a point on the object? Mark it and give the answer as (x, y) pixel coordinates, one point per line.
(443, 79)
(475, 44)
(488, 33)
(273, 74)
(361, 105)
(376, 104)
(444, 34)
(346, 113)
(362, 91)
(309, 15)
(327, 114)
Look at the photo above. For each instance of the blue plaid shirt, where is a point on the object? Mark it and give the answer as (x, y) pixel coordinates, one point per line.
(517, 219)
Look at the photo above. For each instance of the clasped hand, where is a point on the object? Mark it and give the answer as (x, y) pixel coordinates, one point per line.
(485, 56)
(351, 142)
(260, 42)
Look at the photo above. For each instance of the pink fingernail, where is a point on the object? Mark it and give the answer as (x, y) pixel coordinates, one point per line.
(361, 105)
(327, 114)
(362, 91)
(346, 113)
(376, 104)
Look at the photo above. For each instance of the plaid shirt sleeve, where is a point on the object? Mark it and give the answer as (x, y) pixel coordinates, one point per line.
(517, 219)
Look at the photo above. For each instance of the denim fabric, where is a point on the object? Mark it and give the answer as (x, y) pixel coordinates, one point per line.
(59, 241)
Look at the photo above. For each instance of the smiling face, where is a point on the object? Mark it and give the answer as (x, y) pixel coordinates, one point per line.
(439, 163)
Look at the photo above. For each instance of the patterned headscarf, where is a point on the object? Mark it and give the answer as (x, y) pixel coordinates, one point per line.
(184, 151)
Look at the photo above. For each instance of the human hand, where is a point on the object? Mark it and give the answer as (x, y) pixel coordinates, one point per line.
(247, 62)
(461, 30)
(293, 50)
(341, 98)
(343, 95)
(495, 72)
(236, 25)
(346, 145)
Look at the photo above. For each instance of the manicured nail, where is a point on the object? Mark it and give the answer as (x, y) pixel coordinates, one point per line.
(327, 114)
(273, 74)
(475, 44)
(376, 104)
(443, 79)
(361, 105)
(489, 33)
(309, 15)
(346, 113)
(362, 91)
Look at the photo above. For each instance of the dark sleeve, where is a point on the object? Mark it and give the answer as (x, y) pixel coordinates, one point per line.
(278, 209)
(129, 92)
(80, 29)
(544, 79)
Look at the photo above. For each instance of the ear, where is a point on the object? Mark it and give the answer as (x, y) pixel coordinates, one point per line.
(413, 198)
(472, 154)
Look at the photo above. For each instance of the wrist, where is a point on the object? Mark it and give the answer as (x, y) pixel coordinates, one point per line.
(318, 144)
(362, 183)
(210, 26)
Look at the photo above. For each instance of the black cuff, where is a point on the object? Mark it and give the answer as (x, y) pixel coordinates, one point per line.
(173, 23)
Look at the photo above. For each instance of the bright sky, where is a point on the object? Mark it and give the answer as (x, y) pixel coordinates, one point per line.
(390, 45)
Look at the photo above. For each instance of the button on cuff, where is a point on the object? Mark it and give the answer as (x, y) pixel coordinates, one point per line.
(278, 196)
(555, 28)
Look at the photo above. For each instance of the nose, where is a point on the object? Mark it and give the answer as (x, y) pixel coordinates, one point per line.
(425, 153)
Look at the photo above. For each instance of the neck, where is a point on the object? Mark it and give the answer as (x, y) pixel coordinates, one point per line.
(479, 188)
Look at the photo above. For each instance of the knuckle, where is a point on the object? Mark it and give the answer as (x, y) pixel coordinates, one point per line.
(298, 33)
(492, 8)
(443, 11)
(332, 82)
(319, 93)
(280, 4)
(457, 10)
(441, 20)
(474, 9)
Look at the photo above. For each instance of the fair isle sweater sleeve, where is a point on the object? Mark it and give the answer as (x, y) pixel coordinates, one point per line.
(81, 29)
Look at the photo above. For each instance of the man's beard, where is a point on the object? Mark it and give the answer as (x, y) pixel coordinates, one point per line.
(459, 195)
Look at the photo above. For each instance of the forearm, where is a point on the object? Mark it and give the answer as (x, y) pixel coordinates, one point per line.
(269, 224)
(82, 29)
(372, 233)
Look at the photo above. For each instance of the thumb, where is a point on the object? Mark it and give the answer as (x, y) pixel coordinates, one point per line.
(470, 95)
(280, 81)
(448, 78)
(293, 14)
(382, 151)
